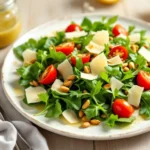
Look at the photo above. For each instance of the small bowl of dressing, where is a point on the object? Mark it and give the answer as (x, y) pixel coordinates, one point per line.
(10, 24)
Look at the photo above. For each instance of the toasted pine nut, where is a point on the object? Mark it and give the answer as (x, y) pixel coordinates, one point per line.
(85, 124)
(86, 104)
(131, 65)
(124, 65)
(33, 61)
(126, 92)
(84, 119)
(85, 91)
(34, 83)
(78, 46)
(146, 46)
(125, 69)
(67, 83)
(110, 46)
(104, 116)
(87, 69)
(71, 77)
(147, 64)
(107, 86)
(81, 113)
(134, 48)
(64, 89)
(95, 122)
(110, 38)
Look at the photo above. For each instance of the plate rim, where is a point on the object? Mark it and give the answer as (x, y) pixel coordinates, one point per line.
(57, 131)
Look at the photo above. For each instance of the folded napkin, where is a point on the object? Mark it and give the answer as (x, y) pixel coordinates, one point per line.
(8, 133)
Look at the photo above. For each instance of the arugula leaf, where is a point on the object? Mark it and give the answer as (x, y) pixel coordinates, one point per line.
(145, 104)
(114, 71)
(128, 75)
(111, 121)
(56, 56)
(126, 120)
(92, 111)
(86, 24)
(31, 44)
(131, 29)
(104, 76)
(79, 64)
(111, 20)
(54, 111)
(96, 88)
(44, 97)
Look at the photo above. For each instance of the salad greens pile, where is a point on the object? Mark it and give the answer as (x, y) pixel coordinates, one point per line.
(101, 98)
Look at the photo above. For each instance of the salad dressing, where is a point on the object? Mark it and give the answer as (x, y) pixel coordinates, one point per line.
(10, 24)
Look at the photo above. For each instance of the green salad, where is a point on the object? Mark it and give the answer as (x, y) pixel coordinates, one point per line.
(91, 72)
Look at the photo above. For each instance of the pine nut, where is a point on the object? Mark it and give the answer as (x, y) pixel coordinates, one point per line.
(126, 92)
(124, 65)
(64, 89)
(146, 46)
(85, 119)
(125, 69)
(95, 122)
(131, 65)
(34, 83)
(85, 124)
(110, 38)
(107, 86)
(71, 77)
(134, 48)
(110, 46)
(86, 104)
(148, 64)
(81, 113)
(85, 91)
(67, 83)
(79, 46)
(104, 116)
(87, 69)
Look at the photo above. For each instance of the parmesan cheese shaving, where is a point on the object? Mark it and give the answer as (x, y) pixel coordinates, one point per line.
(101, 37)
(115, 61)
(56, 85)
(94, 48)
(65, 69)
(88, 76)
(33, 92)
(75, 34)
(115, 84)
(134, 38)
(145, 53)
(98, 64)
(70, 116)
(29, 56)
(135, 94)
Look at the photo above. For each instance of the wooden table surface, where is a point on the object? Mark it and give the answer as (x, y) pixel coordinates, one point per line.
(36, 12)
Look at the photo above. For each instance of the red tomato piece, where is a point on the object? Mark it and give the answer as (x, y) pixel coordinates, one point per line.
(73, 27)
(49, 75)
(122, 108)
(119, 29)
(143, 79)
(119, 50)
(66, 48)
(85, 58)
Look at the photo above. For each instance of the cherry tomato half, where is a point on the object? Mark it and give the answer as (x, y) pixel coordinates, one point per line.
(122, 108)
(118, 29)
(49, 75)
(119, 50)
(66, 48)
(73, 27)
(85, 58)
(143, 79)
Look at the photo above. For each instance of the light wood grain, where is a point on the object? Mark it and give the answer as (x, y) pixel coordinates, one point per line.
(36, 12)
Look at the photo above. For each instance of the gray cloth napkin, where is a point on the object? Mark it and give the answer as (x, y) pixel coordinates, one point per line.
(8, 132)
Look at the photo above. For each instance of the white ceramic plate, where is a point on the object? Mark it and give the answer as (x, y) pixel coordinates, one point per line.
(14, 92)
